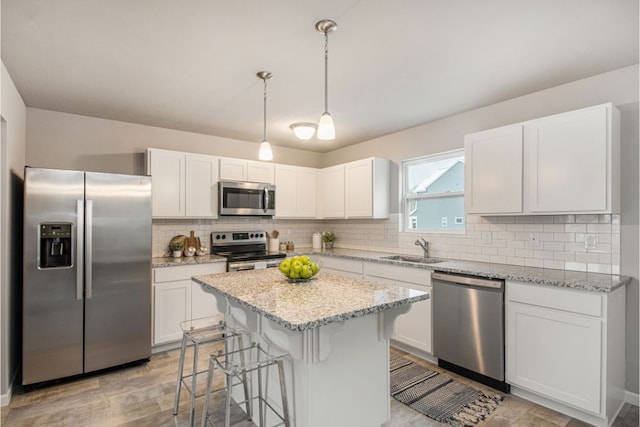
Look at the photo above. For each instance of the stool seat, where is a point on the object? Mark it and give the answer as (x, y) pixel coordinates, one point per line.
(239, 364)
(194, 333)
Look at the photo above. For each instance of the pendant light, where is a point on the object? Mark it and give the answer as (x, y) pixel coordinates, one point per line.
(326, 130)
(265, 152)
(303, 131)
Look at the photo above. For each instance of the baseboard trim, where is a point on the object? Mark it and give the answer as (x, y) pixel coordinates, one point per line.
(632, 398)
(166, 347)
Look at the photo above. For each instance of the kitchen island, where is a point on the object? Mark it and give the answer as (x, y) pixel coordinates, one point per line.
(336, 331)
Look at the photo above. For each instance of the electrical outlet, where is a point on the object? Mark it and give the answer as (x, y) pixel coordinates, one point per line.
(590, 241)
(534, 240)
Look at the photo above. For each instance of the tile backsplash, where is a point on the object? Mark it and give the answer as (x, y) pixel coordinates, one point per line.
(553, 241)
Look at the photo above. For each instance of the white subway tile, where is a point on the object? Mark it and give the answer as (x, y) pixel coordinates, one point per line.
(564, 256)
(555, 264)
(575, 266)
(575, 228)
(564, 237)
(554, 228)
(533, 227)
(604, 219)
(587, 219)
(553, 246)
(564, 219)
(599, 228)
(524, 253)
(543, 219)
(599, 268)
(543, 254)
(530, 262)
(498, 259)
(586, 257)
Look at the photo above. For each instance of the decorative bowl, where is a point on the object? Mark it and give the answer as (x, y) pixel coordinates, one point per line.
(299, 269)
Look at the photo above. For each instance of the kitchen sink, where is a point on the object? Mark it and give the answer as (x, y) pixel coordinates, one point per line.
(413, 258)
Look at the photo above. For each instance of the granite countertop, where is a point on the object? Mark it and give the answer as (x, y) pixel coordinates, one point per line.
(326, 299)
(185, 260)
(596, 282)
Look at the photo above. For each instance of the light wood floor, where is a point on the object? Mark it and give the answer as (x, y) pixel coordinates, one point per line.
(143, 395)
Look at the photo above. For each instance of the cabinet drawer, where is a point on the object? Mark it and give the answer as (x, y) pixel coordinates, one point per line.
(171, 274)
(561, 299)
(342, 264)
(404, 274)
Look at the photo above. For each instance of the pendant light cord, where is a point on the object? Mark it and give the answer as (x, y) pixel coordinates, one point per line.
(326, 72)
(265, 110)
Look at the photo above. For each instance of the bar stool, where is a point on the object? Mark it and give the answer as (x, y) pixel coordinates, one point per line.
(236, 364)
(194, 333)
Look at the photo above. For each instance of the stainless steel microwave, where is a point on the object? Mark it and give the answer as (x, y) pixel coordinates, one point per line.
(246, 198)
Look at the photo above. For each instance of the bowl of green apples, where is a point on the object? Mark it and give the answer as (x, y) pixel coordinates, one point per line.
(299, 268)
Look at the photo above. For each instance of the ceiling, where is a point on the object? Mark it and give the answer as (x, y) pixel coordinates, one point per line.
(191, 65)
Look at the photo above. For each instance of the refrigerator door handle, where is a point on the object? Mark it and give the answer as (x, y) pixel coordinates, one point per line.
(89, 248)
(79, 249)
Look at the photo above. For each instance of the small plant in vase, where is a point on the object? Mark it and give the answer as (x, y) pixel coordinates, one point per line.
(328, 238)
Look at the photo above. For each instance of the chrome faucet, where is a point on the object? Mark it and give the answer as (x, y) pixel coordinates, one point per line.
(424, 245)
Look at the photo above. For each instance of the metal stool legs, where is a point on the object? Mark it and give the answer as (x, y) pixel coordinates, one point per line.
(258, 360)
(196, 332)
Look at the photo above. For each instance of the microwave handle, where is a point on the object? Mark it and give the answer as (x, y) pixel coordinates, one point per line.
(265, 199)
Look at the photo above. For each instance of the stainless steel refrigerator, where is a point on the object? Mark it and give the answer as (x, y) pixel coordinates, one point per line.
(87, 268)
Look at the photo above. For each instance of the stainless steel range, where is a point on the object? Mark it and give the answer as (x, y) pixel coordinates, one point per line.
(244, 250)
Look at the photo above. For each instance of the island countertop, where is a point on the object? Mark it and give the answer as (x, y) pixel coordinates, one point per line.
(326, 299)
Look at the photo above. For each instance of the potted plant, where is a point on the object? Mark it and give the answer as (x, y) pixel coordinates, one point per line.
(328, 238)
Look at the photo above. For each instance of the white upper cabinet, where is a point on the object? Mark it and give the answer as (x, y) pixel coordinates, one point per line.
(569, 166)
(493, 171)
(367, 188)
(246, 170)
(296, 191)
(357, 189)
(566, 163)
(183, 184)
(331, 192)
(167, 170)
(202, 186)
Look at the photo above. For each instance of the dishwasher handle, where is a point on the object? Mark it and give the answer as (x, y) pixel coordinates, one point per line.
(470, 281)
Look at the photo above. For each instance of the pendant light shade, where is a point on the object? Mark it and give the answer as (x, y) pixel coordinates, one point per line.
(265, 152)
(326, 129)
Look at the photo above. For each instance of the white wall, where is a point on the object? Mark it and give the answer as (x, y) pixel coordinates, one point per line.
(70, 141)
(13, 113)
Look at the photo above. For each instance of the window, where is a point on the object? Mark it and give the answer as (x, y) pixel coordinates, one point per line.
(433, 192)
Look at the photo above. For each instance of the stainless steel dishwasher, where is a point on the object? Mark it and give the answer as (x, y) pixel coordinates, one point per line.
(468, 327)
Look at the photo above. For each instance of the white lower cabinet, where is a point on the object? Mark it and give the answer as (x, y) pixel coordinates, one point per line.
(346, 267)
(567, 346)
(413, 328)
(176, 299)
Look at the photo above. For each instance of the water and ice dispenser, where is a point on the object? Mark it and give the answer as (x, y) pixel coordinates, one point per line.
(55, 245)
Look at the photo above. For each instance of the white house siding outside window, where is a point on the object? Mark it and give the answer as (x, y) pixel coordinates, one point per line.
(433, 192)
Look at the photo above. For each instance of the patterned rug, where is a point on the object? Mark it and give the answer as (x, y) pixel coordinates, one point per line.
(438, 396)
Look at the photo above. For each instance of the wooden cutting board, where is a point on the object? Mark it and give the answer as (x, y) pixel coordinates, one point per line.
(191, 241)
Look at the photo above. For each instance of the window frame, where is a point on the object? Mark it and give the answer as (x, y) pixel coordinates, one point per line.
(406, 198)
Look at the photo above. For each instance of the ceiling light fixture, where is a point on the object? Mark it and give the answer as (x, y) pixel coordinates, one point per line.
(326, 129)
(303, 131)
(265, 152)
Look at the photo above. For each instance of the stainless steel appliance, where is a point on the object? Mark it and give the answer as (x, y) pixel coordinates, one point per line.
(244, 250)
(247, 198)
(87, 272)
(468, 327)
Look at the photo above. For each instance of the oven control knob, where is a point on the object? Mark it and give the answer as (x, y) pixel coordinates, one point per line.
(224, 236)
(217, 237)
(261, 235)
